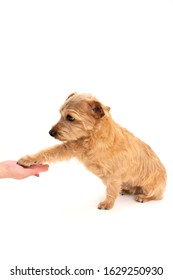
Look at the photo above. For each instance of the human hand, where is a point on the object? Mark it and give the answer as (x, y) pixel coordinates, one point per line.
(10, 169)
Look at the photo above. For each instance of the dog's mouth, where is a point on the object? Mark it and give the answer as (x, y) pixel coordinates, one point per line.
(59, 137)
(56, 135)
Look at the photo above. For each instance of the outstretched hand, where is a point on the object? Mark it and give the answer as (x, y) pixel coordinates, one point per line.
(10, 169)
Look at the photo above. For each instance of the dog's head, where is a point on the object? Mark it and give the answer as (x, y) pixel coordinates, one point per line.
(80, 115)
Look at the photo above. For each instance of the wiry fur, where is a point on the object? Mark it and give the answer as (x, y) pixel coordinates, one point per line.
(122, 161)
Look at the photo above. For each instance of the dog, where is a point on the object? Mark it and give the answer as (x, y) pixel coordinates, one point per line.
(124, 163)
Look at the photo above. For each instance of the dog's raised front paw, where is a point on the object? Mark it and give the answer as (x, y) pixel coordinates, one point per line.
(28, 161)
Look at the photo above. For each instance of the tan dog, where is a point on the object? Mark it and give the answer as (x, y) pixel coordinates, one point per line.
(122, 161)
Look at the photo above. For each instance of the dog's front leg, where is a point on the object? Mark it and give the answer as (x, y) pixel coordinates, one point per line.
(112, 191)
(53, 154)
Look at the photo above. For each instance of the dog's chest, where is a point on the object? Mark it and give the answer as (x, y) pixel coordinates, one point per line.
(95, 165)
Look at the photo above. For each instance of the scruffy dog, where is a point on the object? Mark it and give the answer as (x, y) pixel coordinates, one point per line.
(123, 162)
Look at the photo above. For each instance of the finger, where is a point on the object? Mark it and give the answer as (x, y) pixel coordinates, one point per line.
(39, 168)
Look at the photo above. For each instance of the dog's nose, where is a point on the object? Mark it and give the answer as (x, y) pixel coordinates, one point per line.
(52, 133)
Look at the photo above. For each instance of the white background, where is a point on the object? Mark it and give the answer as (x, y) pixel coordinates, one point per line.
(121, 52)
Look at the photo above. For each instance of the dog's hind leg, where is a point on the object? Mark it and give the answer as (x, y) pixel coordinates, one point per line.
(148, 194)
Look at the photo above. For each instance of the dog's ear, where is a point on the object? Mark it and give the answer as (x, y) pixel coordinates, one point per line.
(71, 95)
(107, 108)
(96, 109)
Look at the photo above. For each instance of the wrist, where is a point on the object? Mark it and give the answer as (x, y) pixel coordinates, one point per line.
(3, 170)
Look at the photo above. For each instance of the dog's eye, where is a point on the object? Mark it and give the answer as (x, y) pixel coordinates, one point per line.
(70, 118)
